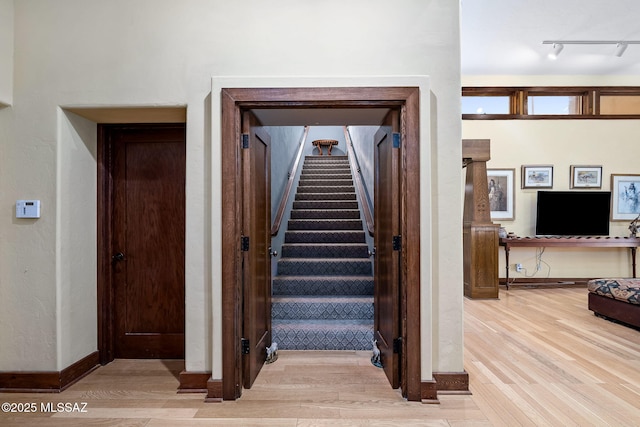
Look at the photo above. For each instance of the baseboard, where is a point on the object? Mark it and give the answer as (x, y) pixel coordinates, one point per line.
(452, 382)
(429, 392)
(214, 391)
(193, 382)
(546, 282)
(48, 381)
(444, 383)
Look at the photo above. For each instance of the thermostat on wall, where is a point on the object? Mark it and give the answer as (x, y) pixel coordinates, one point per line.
(27, 208)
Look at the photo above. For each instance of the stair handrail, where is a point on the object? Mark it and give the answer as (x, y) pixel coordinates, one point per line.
(360, 188)
(287, 191)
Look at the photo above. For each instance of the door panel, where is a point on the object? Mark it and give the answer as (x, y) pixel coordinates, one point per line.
(387, 260)
(148, 173)
(256, 227)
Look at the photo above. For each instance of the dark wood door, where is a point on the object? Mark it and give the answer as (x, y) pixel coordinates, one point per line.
(148, 241)
(387, 241)
(256, 235)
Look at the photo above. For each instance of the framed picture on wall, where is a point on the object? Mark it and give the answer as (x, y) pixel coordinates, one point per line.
(537, 176)
(586, 176)
(625, 197)
(502, 193)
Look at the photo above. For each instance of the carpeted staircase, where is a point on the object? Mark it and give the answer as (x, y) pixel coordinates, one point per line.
(323, 290)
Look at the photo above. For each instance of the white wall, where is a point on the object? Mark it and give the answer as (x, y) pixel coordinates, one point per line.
(362, 138)
(561, 143)
(93, 53)
(6, 52)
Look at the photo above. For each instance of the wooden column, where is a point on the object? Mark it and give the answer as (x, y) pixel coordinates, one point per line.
(479, 235)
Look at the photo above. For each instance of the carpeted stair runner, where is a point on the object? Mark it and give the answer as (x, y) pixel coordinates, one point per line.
(323, 291)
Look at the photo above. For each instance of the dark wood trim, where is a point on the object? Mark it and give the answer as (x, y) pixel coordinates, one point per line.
(214, 390)
(292, 176)
(564, 90)
(193, 382)
(234, 101)
(78, 370)
(30, 382)
(452, 382)
(48, 381)
(548, 117)
(555, 282)
(410, 229)
(518, 105)
(231, 267)
(444, 383)
(429, 392)
(105, 207)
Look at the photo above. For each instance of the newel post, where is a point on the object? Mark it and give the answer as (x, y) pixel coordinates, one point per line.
(479, 235)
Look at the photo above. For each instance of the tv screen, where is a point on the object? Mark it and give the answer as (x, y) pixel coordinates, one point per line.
(573, 213)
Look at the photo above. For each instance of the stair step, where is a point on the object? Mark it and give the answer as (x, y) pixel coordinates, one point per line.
(315, 236)
(326, 196)
(333, 158)
(309, 307)
(325, 214)
(323, 335)
(313, 182)
(324, 224)
(327, 189)
(325, 204)
(325, 176)
(327, 166)
(324, 267)
(323, 285)
(326, 250)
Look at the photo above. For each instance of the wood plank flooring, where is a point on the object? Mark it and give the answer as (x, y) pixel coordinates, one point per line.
(536, 357)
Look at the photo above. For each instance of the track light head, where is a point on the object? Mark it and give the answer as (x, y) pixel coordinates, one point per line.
(620, 48)
(557, 48)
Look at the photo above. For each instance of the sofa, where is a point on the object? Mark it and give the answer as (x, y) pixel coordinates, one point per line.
(616, 299)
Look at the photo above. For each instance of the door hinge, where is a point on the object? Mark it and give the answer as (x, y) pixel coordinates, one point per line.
(245, 140)
(244, 243)
(244, 343)
(397, 345)
(396, 140)
(397, 243)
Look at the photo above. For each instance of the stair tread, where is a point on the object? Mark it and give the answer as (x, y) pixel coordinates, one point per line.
(351, 299)
(320, 277)
(325, 244)
(315, 323)
(324, 260)
(325, 231)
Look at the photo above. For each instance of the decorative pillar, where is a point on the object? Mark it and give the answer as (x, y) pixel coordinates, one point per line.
(479, 235)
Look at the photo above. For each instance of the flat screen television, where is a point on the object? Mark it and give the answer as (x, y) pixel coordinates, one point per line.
(573, 213)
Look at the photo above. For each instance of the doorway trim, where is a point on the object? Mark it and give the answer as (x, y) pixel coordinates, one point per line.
(369, 92)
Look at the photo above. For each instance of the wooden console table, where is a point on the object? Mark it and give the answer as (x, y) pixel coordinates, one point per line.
(584, 241)
(324, 143)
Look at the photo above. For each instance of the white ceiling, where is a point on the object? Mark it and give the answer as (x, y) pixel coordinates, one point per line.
(502, 37)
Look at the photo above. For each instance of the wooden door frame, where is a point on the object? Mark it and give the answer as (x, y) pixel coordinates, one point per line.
(233, 103)
(105, 291)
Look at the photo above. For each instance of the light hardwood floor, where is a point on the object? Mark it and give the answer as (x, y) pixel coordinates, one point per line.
(536, 357)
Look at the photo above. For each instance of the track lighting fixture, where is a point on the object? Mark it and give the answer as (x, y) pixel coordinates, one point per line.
(558, 45)
(557, 48)
(620, 48)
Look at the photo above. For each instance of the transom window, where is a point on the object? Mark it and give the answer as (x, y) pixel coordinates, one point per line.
(481, 103)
